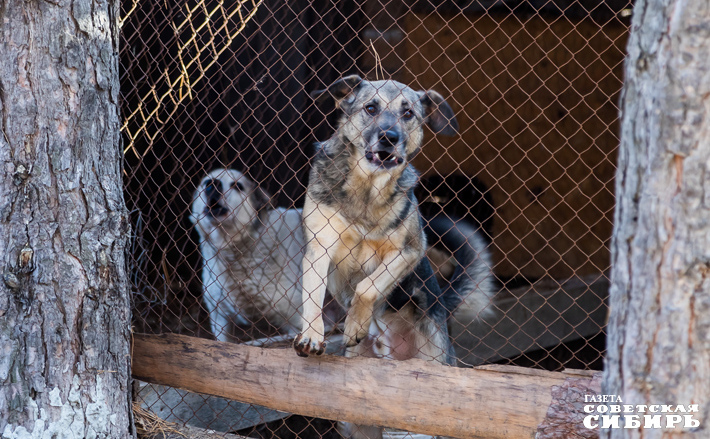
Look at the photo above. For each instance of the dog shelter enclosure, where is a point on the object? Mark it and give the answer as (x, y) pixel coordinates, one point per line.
(534, 85)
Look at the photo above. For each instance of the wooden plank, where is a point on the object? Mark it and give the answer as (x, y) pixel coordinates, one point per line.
(412, 395)
(543, 315)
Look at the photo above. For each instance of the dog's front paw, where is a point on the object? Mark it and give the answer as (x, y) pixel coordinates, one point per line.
(306, 345)
(355, 331)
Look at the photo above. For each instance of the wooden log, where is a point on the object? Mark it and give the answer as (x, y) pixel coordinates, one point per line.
(502, 402)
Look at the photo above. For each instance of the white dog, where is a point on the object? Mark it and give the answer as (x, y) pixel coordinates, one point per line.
(251, 254)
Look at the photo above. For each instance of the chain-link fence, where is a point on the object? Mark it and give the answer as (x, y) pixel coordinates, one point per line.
(527, 180)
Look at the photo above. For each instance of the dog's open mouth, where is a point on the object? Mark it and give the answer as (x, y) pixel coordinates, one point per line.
(216, 210)
(383, 158)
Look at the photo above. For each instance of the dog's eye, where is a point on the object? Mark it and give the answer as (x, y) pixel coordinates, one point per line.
(408, 114)
(238, 186)
(371, 109)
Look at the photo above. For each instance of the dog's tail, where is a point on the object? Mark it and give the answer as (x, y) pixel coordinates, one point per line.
(470, 289)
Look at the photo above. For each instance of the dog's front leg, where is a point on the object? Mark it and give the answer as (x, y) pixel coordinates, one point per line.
(373, 289)
(316, 262)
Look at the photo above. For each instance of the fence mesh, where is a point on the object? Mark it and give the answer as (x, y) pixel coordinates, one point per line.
(210, 85)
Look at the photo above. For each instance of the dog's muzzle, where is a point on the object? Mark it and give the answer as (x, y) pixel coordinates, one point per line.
(213, 193)
(384, 152)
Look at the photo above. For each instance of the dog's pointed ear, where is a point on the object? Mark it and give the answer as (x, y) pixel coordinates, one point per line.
(439, 114)
(339, 90)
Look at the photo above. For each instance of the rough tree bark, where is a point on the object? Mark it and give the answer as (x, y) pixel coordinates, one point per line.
(64, 303)
(659, 340)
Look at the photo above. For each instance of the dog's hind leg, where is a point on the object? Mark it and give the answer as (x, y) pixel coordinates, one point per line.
(433, 342)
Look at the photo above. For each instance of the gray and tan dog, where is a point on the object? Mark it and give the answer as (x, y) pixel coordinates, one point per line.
(251, 254)
(365, 238)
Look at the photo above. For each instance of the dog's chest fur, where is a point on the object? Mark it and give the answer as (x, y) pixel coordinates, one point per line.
(357, 256)
(239, 269)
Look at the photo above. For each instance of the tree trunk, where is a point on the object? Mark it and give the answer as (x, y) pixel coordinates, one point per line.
(659, 341)
(64, 298)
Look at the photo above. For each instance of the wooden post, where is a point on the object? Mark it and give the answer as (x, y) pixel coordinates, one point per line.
(658, 349)
(65, 294)
(500, 402)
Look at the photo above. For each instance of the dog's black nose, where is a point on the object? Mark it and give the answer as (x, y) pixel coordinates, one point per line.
(213, 190)
(389, 138)
(213, 193)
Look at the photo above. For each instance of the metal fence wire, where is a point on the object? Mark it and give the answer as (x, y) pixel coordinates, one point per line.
(220, 133)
